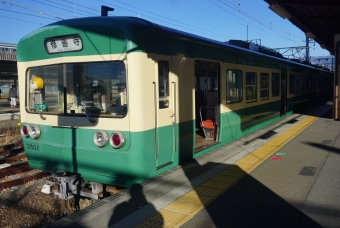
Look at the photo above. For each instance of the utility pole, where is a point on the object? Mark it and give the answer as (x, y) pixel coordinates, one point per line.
(308, 41)
(307, 50)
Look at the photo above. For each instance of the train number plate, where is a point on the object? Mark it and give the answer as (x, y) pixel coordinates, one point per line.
(31, 146)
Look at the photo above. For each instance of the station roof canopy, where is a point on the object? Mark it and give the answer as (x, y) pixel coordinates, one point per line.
(319, 19)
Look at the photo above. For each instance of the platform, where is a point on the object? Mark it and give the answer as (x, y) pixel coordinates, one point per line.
(9, 117)
(286, 175)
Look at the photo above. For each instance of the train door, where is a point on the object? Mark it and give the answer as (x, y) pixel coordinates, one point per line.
(165, 113)
(283, 109)
(206, 104)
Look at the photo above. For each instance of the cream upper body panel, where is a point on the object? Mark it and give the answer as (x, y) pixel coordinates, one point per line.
(141, 75)
(143, 90)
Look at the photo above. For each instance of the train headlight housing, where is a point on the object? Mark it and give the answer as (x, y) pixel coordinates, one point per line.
(117, 140)
(101, 138)
(24, 130)
(34, 131)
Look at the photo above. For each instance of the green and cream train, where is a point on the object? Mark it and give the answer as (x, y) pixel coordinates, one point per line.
(118, 100)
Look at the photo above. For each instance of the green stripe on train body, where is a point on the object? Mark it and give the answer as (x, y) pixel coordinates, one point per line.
(74, 151)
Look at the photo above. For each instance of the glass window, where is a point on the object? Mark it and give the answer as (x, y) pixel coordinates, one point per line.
(234, 86)
(275, 84)
(292, 83)
(163, 80)
(264, 86)
(251, 86)
(94, 89)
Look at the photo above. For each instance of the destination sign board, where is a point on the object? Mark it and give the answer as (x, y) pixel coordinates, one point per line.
(63, 44)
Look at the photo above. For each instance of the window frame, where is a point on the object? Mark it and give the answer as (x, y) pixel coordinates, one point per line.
(251, 83)
(237, 86)
(164, 99)
(264, 85)
(63, 83)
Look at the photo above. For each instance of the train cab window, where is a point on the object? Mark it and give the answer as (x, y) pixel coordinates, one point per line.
(93, 89)
(275, 84)
(45, 88)
(163, 81)
(264, 86)
(291, 83)
(234, 86)
(251, 86)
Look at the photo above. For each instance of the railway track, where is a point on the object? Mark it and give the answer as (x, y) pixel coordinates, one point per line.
(14, 169)
(27, 206)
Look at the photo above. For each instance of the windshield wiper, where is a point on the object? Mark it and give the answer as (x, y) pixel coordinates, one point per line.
(88, 113)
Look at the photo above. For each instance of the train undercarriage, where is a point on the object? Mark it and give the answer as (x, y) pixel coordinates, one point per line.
(68, 186)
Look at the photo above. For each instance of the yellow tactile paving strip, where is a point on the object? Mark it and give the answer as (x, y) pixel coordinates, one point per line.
(185, 207)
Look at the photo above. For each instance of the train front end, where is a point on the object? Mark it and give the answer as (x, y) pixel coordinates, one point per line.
(74, 96)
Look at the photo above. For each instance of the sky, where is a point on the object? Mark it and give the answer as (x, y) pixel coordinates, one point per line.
(220, 20)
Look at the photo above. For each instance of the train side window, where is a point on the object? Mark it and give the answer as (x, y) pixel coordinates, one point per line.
(163, 81)
(251, 86)
(275, 84)
(291, 83)
(234, 86)
(264, 86)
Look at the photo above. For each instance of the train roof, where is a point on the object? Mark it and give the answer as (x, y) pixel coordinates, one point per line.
(139, 35)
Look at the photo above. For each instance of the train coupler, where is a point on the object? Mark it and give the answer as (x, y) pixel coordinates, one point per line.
(66, 187)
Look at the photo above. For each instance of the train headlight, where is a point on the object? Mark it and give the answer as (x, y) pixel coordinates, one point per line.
(101, 138)
(117, 140)
(34, 131)
(24, 130)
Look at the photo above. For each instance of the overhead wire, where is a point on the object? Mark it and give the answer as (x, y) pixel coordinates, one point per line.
(56, 7)
(166, 20)
(28, 14)
(81, 5)
(241, 18)
(91, 14)
(265, 19)
(245, 24)
(251, 18)
(255, 19)
(34, 9)
(20, 20)
(169, 19)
